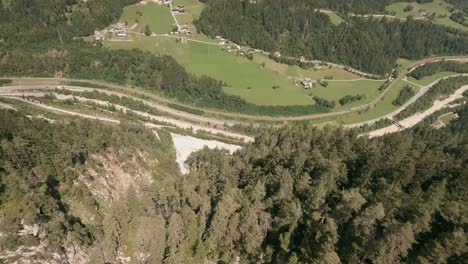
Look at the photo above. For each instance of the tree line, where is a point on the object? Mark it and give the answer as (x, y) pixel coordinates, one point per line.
(441, 66)
(294, 28)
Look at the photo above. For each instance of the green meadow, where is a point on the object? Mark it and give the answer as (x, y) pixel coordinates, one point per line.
(429, 79)
(439, 7)
(193, 8)
(382, 108)
(157, 17)
(260, 81)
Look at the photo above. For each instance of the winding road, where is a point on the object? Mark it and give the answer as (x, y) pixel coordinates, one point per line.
(413, 99)
(418, 117)
(214, 125)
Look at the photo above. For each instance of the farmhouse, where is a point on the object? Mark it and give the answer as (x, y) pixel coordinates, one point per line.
(184, 30)
(116, 29)
(308, 83)
(178, 9)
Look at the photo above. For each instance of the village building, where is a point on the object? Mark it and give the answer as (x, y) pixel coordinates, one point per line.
(221, 41)
(117, 29)
(308, 83)
(178, 9)
(184, 30)
(318, 67)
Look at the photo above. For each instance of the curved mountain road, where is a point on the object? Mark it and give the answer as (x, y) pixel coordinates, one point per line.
(418, 117)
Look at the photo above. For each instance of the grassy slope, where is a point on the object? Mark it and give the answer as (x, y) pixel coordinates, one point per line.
(240, 73)
(382, 108)
(429, 79)
(439, 7)
(193, 8)
(158, 17)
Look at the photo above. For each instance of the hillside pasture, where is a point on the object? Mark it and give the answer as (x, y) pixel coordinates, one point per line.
(157, 17)
(439, 8)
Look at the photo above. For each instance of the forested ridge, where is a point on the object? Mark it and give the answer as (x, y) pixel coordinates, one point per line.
(293, 28)
(298, 194)
(23, 22)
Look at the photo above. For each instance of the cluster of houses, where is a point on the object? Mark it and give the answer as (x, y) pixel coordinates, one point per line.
(112, 30)
(183, 30)
(308, 83)
(232, 47)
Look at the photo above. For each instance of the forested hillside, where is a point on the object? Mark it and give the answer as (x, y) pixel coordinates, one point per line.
(299, 194)
(293, 28)
(27, 21)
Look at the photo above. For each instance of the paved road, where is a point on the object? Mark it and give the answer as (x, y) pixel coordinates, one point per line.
(129, 91)
(160, 107)
(168, 120)
(418, 117)
(413, 99)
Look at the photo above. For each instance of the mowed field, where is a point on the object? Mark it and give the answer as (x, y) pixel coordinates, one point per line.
(157, 17)
(260, 81)
(193, 9)
(382, 108)
(439, 7)
(271, 84)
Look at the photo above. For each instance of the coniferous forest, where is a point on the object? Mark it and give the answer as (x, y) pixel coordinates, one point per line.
(299, 194)
(26, 22)
(294, 28)
(96, 193)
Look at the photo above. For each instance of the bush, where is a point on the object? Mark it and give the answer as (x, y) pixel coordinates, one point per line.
(351, 98)
(405, 94)
(324, 102)
(441, 66)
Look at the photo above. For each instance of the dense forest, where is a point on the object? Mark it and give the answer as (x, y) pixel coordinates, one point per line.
(442, 66)
(297, 195)
(23, 22)
(293, 28)
(459, 3)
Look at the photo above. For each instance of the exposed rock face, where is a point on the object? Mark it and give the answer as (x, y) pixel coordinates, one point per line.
(110, 180)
